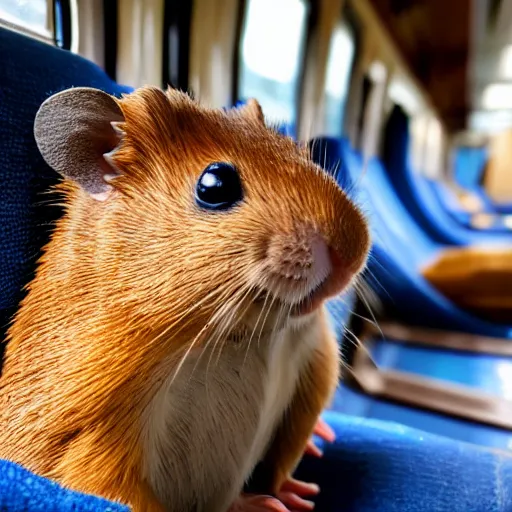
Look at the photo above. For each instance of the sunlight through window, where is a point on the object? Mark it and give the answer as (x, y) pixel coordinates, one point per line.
(271, 53)
(339, 65)
(30, 14)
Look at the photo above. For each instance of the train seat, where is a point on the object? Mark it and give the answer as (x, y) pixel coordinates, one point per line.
(386, 466)
(461, 209)
(469, 171)
(396, 278)
(417, 196)
(400, 250)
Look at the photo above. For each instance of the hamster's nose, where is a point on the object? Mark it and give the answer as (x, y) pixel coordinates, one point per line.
(298, 256)
(302, 265)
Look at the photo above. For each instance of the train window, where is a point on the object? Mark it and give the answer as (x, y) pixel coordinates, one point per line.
(33, 16)
(272, 48)
(339, 66)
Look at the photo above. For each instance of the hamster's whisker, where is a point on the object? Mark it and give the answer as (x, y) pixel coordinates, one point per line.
(198, 302)
(375, 279)
(220, 321)
(196, 338)
(276, 323)
(256, 325)
(232, 305)
(370, 311)
(357, 343)
(218, 313)
(228, 321)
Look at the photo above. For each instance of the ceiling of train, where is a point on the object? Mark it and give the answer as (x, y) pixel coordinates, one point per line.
(461, 51)
(434, 36)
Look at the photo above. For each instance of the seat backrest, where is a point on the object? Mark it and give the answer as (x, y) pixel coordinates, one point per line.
(393, 227)
(469, 166)
(419, 198)
(31, 72)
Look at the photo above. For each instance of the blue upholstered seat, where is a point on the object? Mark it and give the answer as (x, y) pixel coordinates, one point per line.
(415, 194)
(373, 466)
(400, 248)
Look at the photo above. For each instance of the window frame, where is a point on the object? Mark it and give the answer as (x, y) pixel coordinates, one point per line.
(177, 44)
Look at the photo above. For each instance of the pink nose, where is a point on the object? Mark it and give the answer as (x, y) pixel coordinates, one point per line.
(304, 263)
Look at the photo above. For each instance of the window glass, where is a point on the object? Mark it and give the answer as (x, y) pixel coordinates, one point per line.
(271, 54)
(339, 66)
(30, 14)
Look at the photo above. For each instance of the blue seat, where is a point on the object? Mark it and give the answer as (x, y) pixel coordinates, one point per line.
(373, 466)
(417, 197)
(449, 201)
(400, 248)
(398, 251)
(469, 169)
(384, 466)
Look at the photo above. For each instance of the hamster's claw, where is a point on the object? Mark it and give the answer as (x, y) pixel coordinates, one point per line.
(257, 503)
(293, 492)
(324, 431)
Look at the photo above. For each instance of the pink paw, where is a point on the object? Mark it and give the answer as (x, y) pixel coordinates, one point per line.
(293, 491)
(323, 431)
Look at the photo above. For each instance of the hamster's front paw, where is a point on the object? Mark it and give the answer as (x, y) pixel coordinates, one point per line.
(325, 432)
(257, 503)
(293, 492)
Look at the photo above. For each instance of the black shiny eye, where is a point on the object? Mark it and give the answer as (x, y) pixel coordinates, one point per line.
(219, 187)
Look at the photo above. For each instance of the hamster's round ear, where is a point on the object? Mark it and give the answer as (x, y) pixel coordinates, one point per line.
(253, 110)
(77, 131)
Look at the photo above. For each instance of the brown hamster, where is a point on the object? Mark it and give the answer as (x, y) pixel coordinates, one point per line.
(174, 335)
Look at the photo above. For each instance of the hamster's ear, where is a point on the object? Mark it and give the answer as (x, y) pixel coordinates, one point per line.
(253, 110)
(76, 131)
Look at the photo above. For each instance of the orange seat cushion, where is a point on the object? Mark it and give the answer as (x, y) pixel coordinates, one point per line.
(476, 279)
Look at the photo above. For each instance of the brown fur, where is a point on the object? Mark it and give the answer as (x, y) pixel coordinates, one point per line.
(128, 282)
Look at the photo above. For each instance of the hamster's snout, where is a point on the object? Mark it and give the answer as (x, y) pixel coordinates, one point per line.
(302, 270)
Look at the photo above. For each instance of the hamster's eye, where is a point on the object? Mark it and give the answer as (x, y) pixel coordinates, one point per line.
(219, 187)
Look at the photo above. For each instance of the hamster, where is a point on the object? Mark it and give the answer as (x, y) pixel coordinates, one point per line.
(174, 335)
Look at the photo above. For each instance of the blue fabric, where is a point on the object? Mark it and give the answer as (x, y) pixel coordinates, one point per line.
(355, 403)
(417, 197)
(377, 466)
(373, 466)
(22, 491)
(31, 71)
(469, 166)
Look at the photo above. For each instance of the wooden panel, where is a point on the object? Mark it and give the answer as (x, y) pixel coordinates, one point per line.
(475, 278)
(434, 38)
(498, 173)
